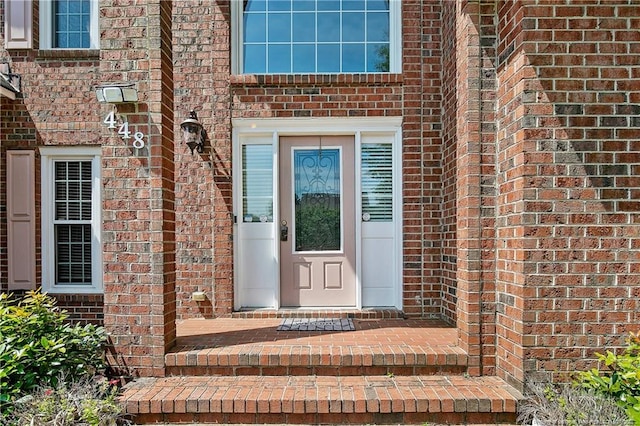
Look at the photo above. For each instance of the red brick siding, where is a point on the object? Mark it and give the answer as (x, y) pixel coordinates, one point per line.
(203, 79)
(199, 39)
(56, 107)
(138, 194)
(449, 183)
(569, 156)
(510, 272)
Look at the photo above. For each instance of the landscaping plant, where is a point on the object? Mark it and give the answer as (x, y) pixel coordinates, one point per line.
(620, 379)
(84, 402)
(38, 346)
(568, 405)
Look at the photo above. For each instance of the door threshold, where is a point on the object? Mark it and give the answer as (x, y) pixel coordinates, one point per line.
(365, 313)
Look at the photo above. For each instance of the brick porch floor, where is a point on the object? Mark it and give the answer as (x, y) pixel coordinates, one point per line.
(388, 371)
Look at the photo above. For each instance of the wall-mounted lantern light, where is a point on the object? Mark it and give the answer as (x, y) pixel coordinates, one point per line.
(192, 133)
(117, 93)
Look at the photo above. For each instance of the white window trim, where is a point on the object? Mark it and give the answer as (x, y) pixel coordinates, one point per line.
(46, 26)
(395, 37)
(48, 156)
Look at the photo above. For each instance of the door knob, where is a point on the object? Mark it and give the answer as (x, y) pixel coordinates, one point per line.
(284, 231)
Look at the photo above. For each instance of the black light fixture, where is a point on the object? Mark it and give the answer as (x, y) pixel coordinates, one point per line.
(193, 133)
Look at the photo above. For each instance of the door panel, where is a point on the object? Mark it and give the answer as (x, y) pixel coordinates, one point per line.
(317, 213)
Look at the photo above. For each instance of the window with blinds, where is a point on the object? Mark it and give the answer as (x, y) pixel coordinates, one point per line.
(257, 183)
(72, 221)
(377, 183)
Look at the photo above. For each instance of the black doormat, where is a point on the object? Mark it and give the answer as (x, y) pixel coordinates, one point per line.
(316, 324)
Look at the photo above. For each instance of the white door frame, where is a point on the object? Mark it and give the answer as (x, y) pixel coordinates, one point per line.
(269, 130)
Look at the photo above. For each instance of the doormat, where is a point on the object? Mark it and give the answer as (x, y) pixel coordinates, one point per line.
(316, 324)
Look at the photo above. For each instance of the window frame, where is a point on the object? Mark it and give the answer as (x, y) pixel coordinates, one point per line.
(49, 155)
(46, 27)
(395, 40)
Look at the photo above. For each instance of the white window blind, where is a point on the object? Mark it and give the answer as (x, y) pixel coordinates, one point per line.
(257, 183)
(377, 182)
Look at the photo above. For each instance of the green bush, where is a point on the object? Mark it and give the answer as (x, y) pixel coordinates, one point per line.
(38, 345)
(85, 402)
(621, 379)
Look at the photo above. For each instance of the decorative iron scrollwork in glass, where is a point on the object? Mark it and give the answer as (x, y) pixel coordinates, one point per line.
(317, 199)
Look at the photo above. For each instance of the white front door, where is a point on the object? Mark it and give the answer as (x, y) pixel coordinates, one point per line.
(317, 221)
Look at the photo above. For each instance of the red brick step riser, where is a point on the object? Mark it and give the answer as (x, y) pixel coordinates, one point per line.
(415, 370)
(330, 418)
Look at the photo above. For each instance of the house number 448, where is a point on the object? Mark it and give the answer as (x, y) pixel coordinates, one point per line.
(123, 130)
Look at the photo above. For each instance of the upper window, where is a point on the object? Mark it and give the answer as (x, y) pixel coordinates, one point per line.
(69, 24)
(71, 220)
(317, 36)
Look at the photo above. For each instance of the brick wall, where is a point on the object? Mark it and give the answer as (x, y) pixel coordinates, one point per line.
(449, 184)
(56, 107)
(198, 38)
(203, 80)
(569, 94)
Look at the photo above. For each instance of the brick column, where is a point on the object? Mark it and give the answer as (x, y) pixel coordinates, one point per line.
(139, 240)
(475, 173)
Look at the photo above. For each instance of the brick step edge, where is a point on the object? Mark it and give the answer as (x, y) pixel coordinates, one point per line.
(317, 356)
(328, 313)
(270, 395)
(396, 370)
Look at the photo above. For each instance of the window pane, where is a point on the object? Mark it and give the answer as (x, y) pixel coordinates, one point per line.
(73, 254)
(255, 5)
(304, 5)
(304, 27)
(377, 183)
(255, 59)
(279, 58)
(328, 27)
(274, 5)
(329, 5)
(378, 58)
(257, 183)
(279, 27)
(353, 4)
(378, 27)
(255, 27)
(353, 58)
(304, 58)
(75, 6)
(352, 27)
(317, 199)
(329, 58)
(377, 4)
(72, 190)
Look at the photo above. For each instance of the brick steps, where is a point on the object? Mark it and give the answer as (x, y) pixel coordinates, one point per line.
(274, 360)
(386, 371)
(321, 399)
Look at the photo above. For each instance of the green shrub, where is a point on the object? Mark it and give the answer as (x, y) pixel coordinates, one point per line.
(38, 345)
(85, 402)
(621, 379)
